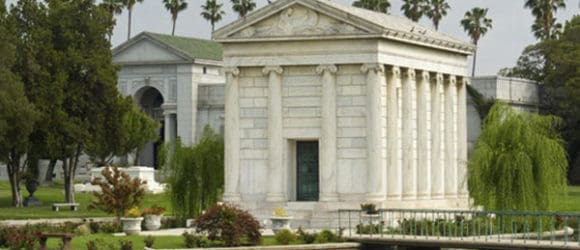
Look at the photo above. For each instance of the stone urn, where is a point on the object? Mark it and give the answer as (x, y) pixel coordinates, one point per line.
(131, 226)
(31, 186)
(279, 223)
(153, 221)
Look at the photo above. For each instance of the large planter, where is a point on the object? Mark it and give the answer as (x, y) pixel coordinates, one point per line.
(279, 223)
(153, 221)
(132, 226)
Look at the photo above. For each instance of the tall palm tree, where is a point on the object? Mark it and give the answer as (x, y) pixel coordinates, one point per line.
(129, 4)
(476, 24)
(545, 25)
(436, 10)
(375, 5)
(414, 9)
(212, 12)
(174, 7)
(114, 7)
(242, 7)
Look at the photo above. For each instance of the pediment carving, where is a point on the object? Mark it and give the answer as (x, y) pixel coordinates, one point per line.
(298, 20)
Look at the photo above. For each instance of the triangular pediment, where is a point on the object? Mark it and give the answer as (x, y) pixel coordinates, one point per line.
(143, 49)
(294, 19)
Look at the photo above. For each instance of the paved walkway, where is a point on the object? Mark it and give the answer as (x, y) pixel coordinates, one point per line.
(179, 232)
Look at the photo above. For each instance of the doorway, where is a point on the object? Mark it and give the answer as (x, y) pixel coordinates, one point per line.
(307, 168)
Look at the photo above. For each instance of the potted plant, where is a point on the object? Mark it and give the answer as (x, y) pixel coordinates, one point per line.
(280, 220)
(369, 208)
(132, 221)
(153, 217)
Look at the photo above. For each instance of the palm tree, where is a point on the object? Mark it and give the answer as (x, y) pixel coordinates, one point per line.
(114, 7)
(545, 26)
(436, 10)
(375, 5)
(129, 4)
(212, 12)
(243, 6)
(175, 6)
(414, 9)
(476, 24)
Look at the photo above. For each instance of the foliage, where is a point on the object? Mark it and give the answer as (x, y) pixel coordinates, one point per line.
(133, 213)
(280, 212)
(530, 65)
(174, 7)
(436, 10)
(545, 26)
(126, 244)
(369, 208)
(327, 236)
(195, 241)
(138, 129)
(83, 229)
(149, 241)
(196, 175)
(306, 237)
(212, 12)
(155, 210)
(414, 9)
(230, 224)
(374, 5)
(519, 162)
(118, 192)
(12, 237)
(243, 7)
(481, 103)
(369, 228)
(285, 236)
(476, 24)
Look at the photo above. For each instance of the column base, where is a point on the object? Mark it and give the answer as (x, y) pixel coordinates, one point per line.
(437, 196)
(275, 197)
(232, 197)
(394, 197)
(409, 197)
(374, 197)
(423, 197)
(330, 197)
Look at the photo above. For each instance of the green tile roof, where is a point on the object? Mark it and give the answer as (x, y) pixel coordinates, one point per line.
(195, 48)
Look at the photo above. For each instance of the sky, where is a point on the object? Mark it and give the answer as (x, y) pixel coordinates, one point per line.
(498, 49)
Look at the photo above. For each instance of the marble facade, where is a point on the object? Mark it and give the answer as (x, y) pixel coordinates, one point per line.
(384, 97)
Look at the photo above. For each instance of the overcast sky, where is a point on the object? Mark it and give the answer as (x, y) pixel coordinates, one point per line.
(498, 49)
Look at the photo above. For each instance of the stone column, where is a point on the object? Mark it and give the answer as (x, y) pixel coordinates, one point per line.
(462, 136)
(409, 171)
(376, 167)
(328, 183)
(437, 170)
(394, 178)
(232, 136)
(168, 126)
(275, 141)
(423, 164)
(450, 136)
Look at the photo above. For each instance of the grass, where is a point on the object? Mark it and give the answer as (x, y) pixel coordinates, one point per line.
(569, 202)
(55, 194)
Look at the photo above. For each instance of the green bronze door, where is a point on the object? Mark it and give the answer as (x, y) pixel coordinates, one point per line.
(307, 171)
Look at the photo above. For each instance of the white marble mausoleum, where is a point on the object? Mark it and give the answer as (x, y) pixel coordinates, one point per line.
(328, 106)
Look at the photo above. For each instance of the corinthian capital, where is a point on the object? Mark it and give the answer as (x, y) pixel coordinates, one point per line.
(272, 69)
(326, 67)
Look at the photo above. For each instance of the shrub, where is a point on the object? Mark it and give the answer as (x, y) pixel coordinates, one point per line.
(195, 241)
(20, 237)
(171, 222)
(285, 236)
(110, 227)
(149, 241)
(92, 245)
(82, 230)
(101, 244)
(230, 223)
(327, 236)
(119, 192)
(126, 244)
(368, 229)
(306, 237)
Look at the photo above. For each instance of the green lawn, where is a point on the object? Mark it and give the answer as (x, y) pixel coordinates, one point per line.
(55, 194)
(570, 202)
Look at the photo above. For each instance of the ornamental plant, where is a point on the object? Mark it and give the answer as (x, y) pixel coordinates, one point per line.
(154, 210)
(280, 212)
(229, 224)
(133, 213)
(369, 208)
(119, 192)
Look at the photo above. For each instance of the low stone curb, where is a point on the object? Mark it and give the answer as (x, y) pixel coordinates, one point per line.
(330, 246)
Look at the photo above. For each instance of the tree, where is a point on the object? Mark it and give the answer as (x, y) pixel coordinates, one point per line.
(519, 162)
(243, 7)
(114, 7)
(212, 12)
(129, 4)
(374, 5)
(481, 103)
(196, 175)
(174, 7)
(476, 24)
(138, 130)
(545, 26)
(119, 192)
(436, 10)
(17, 114)
(530, 65)
(414, 9)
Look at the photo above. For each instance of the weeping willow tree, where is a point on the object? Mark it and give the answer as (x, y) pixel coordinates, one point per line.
(519, 162)
(196, 175)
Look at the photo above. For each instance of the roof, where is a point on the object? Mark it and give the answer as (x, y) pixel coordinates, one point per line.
(192, 48)
(376, 23)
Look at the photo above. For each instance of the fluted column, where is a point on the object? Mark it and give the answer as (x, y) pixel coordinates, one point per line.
(275, 141)
(394, 178)
(409, 171)
(423, 164)
(437, 169)
(376, 167)
(462, 136)
(328, 185)
(232, 136)
(450, 137)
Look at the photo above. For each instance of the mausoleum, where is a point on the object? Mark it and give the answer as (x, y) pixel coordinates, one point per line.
(328, 106)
